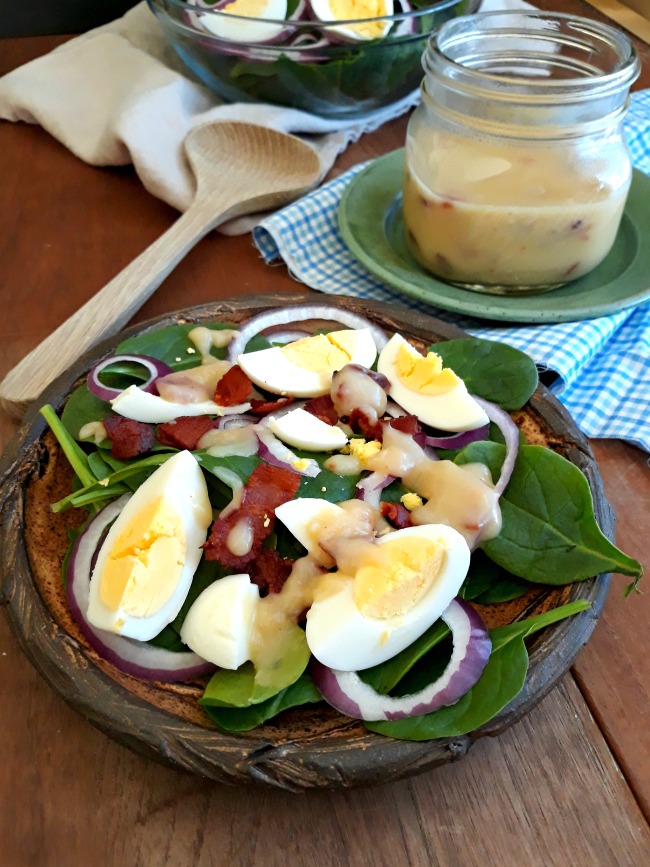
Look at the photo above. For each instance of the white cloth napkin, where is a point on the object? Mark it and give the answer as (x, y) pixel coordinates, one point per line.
(119, 94)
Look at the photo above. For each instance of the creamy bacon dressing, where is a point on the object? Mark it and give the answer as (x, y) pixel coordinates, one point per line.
(206, 339)
(277, 615)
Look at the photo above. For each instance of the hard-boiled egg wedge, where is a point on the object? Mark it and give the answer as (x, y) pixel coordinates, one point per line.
(141, 406)
(303, 430)
(146, 564)
(309, 519)
(411, 576)
(425, 389)
(362, 12)
(304, 368)
(271, 12)
(219, 623)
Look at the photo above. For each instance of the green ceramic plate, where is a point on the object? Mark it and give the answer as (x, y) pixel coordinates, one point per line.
(370, 220)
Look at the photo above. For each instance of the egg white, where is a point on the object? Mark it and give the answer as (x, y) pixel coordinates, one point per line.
(218, 625)
(341, 637)
(323, 11)
(453, 410)
(139, 405)
(181, 482)
(229, 25)
(303, 430)
(271, 370)
(298, 516)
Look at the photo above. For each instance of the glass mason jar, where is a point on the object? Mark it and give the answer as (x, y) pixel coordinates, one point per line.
(517, 170)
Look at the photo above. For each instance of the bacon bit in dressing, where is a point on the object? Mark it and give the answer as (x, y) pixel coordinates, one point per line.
(263, 407)
(185, 431)
(234, 387)
(323, 408)
(270, 571)
(398, 515)
(129, 439)
(267, 488)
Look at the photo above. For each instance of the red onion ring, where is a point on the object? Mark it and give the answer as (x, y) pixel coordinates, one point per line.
(510, 433)
(132, 657)
(288, 315)
(155, 367)
(275, 452)
(458, 441)
(369, 488)
(345, 690)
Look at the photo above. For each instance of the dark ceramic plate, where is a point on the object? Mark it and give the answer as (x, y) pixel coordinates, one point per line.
(301, 749)
(370, 221)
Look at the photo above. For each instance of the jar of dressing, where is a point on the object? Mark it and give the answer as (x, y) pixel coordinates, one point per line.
(516, 167)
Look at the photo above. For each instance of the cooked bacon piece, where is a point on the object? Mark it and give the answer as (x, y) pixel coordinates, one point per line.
(323, 408)
(267, 488)
(129, 438)
(234, 387)
(362, 423)
(269, 571)
(398, 515)
(263, 407)
(185, 431)
(408, 424)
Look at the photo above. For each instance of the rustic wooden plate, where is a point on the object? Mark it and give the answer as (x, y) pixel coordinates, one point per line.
(301, 749)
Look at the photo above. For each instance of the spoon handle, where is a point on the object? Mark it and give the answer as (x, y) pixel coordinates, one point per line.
(111, 308)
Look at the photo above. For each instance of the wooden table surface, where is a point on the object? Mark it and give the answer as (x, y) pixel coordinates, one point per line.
(568, 786)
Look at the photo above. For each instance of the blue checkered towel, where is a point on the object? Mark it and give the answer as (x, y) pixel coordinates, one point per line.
(603, 364)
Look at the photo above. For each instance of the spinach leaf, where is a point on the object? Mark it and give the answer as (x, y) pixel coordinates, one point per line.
(168, 639)
(501, 681)
(383, 678)
(482, 574)
(549, 533)
(171, 344)
(231, 719)
(114, 485)
(248, 686)
(326, 485)
(495, 371)
(74, 453)
(506, 588)
(241, 466)
(81, 408)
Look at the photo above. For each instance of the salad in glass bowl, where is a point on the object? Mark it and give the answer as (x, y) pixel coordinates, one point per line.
(334, 58)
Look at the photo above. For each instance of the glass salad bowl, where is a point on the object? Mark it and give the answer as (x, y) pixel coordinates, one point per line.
(333, 58)
(300, 745)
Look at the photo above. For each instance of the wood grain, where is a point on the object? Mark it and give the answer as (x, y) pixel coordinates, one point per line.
(548, 792)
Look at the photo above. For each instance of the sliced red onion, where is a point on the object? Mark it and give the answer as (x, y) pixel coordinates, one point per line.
(458, 441)
(286, 336)
(510, 432)
(345, 690)
(132, 657)
(155, 367)
(228, 422)
(275, 452)
(288, 315)
(369, 488)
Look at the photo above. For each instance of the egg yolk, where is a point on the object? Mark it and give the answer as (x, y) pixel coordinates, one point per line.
(319, 353)
(408, 568)
(246, 8)
(143, 566)
(424, 374)
(351, 10)
(363, 450)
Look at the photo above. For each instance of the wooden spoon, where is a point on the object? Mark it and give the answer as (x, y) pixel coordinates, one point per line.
(239, 168)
